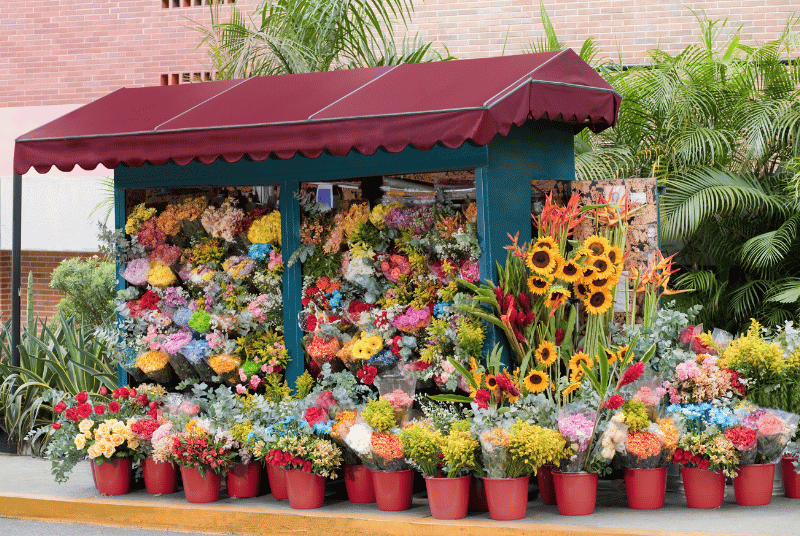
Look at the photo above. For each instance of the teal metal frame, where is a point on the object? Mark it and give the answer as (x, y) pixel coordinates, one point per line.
(539, 150)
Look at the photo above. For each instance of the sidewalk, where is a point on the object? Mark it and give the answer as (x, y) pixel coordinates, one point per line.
(27, 491)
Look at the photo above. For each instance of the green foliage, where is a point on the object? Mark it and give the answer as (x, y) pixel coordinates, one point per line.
(89, 289)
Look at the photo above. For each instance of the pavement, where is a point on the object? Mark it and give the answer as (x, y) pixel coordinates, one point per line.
(28, 492)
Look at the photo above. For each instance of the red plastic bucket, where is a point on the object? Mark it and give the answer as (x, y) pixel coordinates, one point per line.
(358, 482)
(198, 488)
(306, 490)
(277, 481)
(576, 493)
(160, 478)
(244, 480)
(703, 488)
(448, 498)
(547, 490)
(507, 497)
(113, 477)
(753, 485)
(646, 487)
(393, 489)
(791, 480)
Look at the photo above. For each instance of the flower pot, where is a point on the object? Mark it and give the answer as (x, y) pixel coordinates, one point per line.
(448, 498)
(200, 488)
(306, 490)
(113, 477)
(477, 495)
(243, 480)
(703, 488)
(393, 489)
(753, 485)
(547, 490)
(646, 487)
(791, 480)
(160, 478)
(358, 482)
(576, 493)
(277, 481)
(507, 497)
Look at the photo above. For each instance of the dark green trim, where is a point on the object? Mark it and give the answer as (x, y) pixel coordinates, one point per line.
(119, 222)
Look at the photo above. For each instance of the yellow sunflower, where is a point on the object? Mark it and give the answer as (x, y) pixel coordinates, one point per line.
(582, 290)
(557, 296)
(598, 302)
(576, 375)
(611, 357)
(614, 254)
(556, 269)
(491, 383)
(570, 271)
(541, 260)
(538, 285)
(545, 242)
(588, 273)
(546, 353)
(621, 355)
(597, 244)
(536, 381)
(601, 284)
(570, 389)
(602, 266)
(581, 357)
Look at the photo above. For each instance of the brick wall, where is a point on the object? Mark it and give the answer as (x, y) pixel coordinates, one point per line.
(41, 264)
(74, 51)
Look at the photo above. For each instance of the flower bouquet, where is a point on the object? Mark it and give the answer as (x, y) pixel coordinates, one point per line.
(744, 439)
(199, 448)
(156, 365)
(226, 366)
(398, 390)
(577, 428)
(708, 451)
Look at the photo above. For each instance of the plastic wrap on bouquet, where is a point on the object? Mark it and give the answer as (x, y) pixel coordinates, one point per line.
(495, 444)
(399, 391)
(128, 362)
(388, 451)
(156, 365)
(226, 366)
(644, 450)
(744, 439)
(195, 352)
(182, 367)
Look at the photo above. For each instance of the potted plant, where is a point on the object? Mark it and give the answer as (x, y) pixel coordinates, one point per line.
(204, 457)
(706, 458)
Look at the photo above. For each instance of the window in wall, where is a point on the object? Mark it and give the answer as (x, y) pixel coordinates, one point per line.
(167, 4)
(173, 79)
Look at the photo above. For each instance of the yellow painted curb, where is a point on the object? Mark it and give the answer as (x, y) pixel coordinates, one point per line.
(240, 520)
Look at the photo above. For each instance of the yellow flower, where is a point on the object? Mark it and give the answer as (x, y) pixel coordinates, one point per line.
(102, 429)
(266, 230)
(570, 389)
(116, 426)
(545, 242)
(557, 296)
(598, 302)
(546, 353)
(581, 357)
(538, 285)
(152, 361)
(137, 218)
(107, 449)
(117, 440)
(85, 425)
(224, 363)
(133, 443)
(602, 265)
(80, 441)
(94, 451)
(161, 275)
(541, 260)
(614, 254)
(570, 271)
(597, 244)
(536, 381)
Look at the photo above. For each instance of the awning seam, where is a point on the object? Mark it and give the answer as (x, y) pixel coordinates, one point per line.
(202, 103)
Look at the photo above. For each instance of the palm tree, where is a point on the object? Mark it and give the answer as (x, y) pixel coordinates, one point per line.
(300, 36)
(716, 125)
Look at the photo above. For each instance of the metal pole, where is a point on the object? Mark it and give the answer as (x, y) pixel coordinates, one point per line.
(16, 256)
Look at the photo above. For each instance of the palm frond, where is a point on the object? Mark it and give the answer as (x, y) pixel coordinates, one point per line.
(785, 291)
(770, 248)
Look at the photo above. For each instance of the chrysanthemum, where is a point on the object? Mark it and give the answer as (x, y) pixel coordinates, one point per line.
(546, 353)
(598, 302)
(538, 285)
(597, 244)
(536, 381)
(541, 260)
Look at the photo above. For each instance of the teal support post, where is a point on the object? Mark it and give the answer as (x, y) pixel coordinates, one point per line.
(292, 280)
(535, 151)
(119, 222)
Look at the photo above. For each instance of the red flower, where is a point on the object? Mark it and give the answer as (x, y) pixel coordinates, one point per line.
(686, 335)
(72, 414)
(506, 384)
(367, 374)
(150, 300)
(632, 374)
(56, 426)
(81, 397)
(103, 390)
(99, 409)
(113, 407)
(326, 400)
(703, 464)
(311, 323)
(307, 467)
(614, 402)
(315, 415)
(153, 405)
(559, 336)
(60, 407)
(482, 398)
(85, 410)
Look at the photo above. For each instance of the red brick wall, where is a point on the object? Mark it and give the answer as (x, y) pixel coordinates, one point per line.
(74, 51)
(41, 264)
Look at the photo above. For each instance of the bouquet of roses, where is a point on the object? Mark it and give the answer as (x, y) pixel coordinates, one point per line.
(773, 431)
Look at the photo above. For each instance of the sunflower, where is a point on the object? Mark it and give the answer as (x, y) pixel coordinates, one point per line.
(602, 265)
(611, 357)
(536, 381)
(546, 242)
(541, 260)
(538, 284)
(598, 302)
(600, 284)
(546, 353)
(597, 244)
(576, 375)
(614, 254)
(581, 357)
(621, 355)
(588, 273)
(570, 389)
(570, 271)
(557, 296)
(582, 290)
(491, 383)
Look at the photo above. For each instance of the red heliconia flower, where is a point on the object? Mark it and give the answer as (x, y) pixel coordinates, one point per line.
(524, 302)
(504, 383)
(614, 402)
(498, 294)
(632, 374)
(559, 336)
(482, 398)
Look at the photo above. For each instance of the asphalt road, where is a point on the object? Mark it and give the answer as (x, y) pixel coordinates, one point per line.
(22, 527)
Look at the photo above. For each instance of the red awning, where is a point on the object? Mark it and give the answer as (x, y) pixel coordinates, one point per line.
(391, 107)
